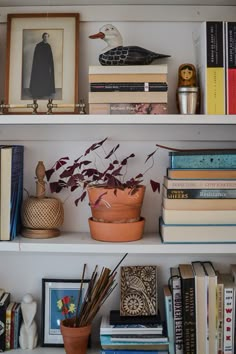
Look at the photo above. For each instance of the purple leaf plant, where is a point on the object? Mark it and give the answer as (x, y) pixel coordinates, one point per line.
(83, 172)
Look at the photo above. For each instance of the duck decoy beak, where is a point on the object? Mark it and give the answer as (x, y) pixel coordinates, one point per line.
(97, 35)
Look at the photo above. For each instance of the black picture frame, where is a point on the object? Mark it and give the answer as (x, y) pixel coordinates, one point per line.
(53, 290)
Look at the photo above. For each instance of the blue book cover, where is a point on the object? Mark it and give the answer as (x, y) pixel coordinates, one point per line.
(169, 318)
(208, 159)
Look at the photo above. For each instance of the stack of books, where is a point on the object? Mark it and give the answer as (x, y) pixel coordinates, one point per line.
(130, 89)
(201, 312)
(132, 334)
(11, 190)
(10, 320)
(199, 197)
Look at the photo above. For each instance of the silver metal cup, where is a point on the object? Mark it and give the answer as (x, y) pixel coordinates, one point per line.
(187, 97)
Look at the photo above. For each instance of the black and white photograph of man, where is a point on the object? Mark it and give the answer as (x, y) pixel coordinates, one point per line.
(42, 64)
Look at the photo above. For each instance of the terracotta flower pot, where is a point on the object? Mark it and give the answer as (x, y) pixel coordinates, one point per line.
(119, 207)
(75, 338)
(116, 232)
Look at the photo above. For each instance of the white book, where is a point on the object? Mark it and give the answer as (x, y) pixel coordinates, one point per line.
(169, 318)
(199, 183)
(201, 308)
(175, 216)
(107, 329)
(212, 307)
(129, 69)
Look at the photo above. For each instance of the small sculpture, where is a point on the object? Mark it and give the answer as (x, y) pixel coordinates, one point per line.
(187, 94)
(117, 54)
(28, 332)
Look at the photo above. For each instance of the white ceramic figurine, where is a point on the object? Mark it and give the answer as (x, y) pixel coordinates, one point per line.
(28, 331)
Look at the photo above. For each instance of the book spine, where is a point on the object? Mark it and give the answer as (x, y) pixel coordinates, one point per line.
(128, 108)
(189, 317)
(230, 35)
(229, 310)
(8, 326)
(124, 97)
(215, 76)
(204, 161)
(169, 319)
(200, 193)
(177, 314)
(16, 189)
(199, 184)
(131, 78)
(127, 87)
(131, 69)
(3, 306)
(110, 351)
(220, 317)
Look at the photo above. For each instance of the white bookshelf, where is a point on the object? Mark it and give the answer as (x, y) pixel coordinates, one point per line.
(82, 243)
(43, 134)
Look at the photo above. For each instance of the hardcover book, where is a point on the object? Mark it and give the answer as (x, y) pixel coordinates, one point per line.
(11, 190)
(209, 47)
(139, 288)
(128, 86)
(117, 319)
(178, 217)
(131, 329)
(127, 97)
(230, 50)
(186, 233)
(201, 307)
(8, 324)
(4, 302)
(107, 343)
(203, 159)
(189, 311)
(112, 77)
(128, 108)
(212, 306)
(128, 69)
(199, 193)
(175, 286)
(229, 312)
(199, 204)
(199, 184)
(169, 317)
(201, 173)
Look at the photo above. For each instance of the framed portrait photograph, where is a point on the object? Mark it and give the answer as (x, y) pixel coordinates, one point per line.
(42, 61)
(59, 301)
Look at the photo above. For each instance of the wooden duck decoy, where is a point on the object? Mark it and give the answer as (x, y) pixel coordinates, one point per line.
(117, 54)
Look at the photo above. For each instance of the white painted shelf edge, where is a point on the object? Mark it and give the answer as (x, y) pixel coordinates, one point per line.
(84, 244)
(69, 119)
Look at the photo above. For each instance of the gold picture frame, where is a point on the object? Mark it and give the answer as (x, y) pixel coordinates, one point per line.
(42, 61)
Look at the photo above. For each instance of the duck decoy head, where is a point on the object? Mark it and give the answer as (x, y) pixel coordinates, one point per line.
(110, 35)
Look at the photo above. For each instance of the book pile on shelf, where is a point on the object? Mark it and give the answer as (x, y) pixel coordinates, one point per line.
(200, 309)
(11, 187)
(130, 89)
(215, 43)
(199, 197)
(132, 334)
(10, 320)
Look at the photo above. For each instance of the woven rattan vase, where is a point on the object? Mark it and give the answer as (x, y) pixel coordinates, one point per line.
(41, 216)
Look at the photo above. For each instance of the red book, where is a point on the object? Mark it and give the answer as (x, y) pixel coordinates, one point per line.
(230, 31)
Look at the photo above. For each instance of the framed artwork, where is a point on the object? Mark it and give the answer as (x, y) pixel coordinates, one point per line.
(59, 301)
(42, 60)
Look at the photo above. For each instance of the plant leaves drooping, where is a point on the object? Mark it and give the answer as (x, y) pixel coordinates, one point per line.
(61, 162)
(112, 151)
